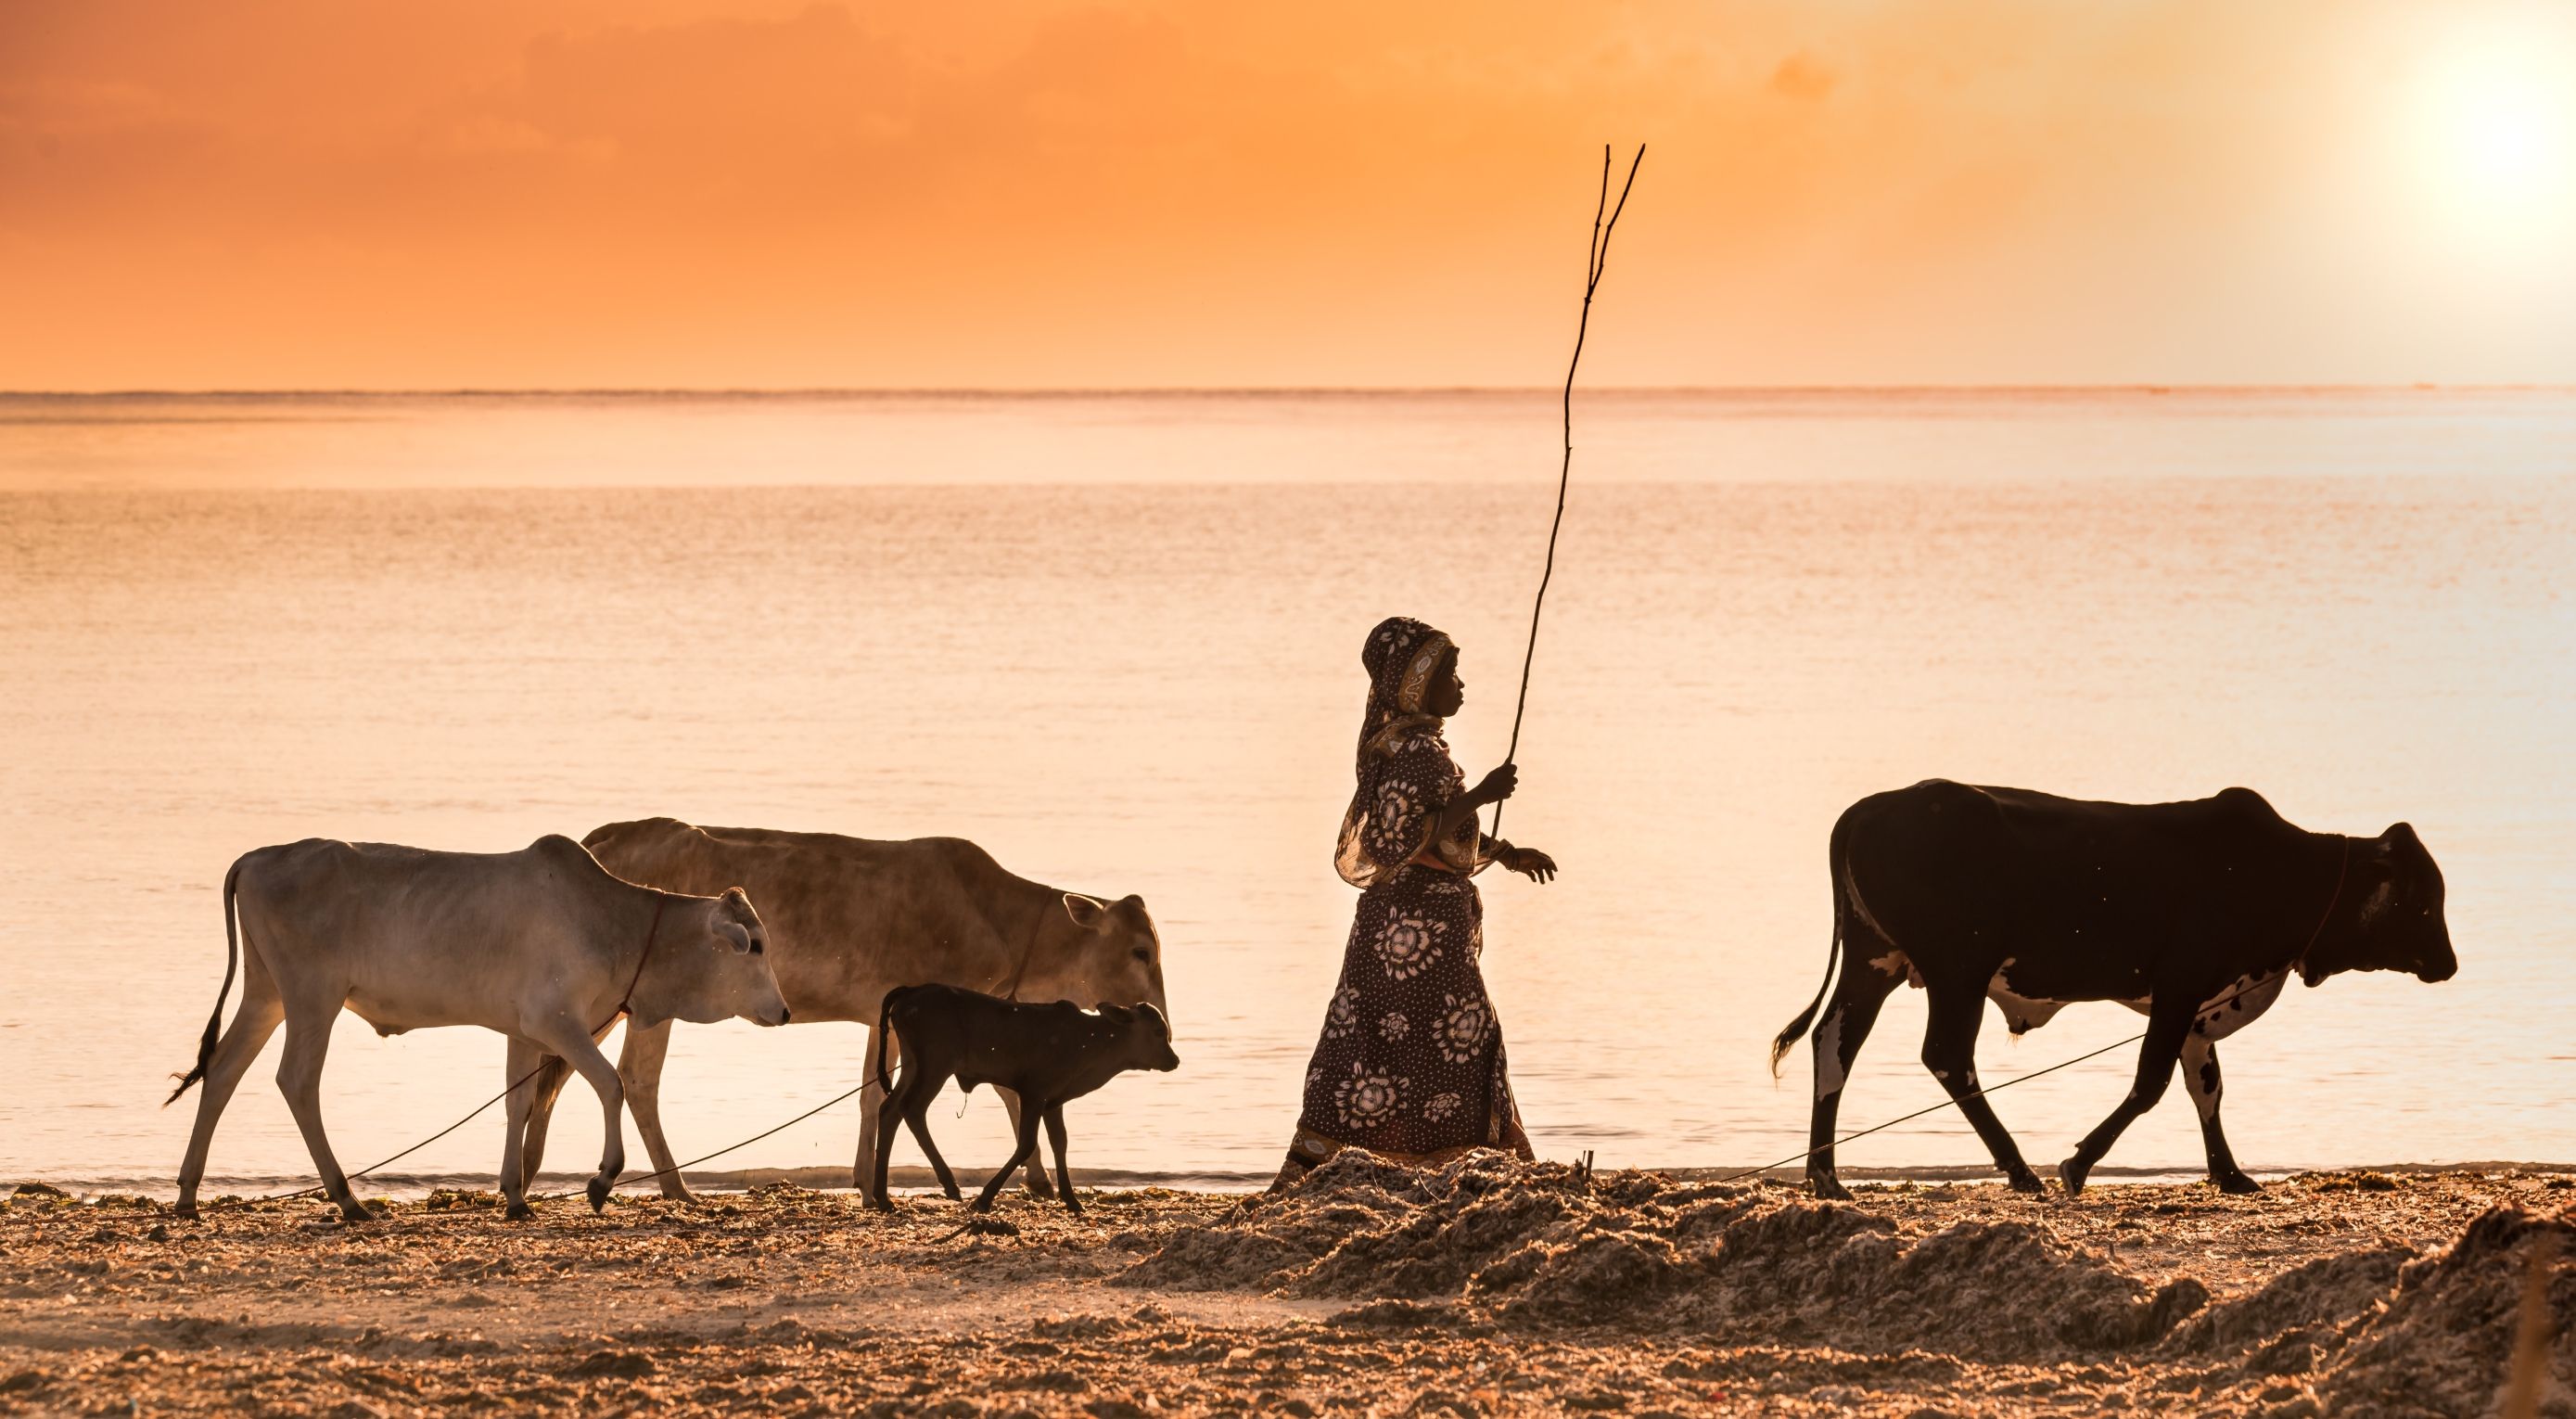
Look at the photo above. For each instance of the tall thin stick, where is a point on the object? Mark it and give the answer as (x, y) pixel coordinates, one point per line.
(1594, 263)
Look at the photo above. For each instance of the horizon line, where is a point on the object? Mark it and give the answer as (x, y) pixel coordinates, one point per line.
(1260, 391)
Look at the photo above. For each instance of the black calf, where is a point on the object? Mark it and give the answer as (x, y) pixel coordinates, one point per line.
(1047, 1054)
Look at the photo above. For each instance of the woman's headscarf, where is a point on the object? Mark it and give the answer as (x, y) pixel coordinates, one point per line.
(1401, 656)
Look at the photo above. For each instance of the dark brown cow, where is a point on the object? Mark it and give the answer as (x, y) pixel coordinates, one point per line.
(2194, 914)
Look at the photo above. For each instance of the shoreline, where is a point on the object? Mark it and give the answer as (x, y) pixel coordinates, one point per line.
(917, 1180)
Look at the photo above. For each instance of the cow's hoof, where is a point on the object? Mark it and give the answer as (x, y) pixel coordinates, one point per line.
(518, 1211)
(1828, 1187)
(2071, 1173)
(1040, 1188)
(981, 1204)
(1072, 1206)
(880, 1204)
(185, 1209)
(2236, 1183)
(2026, 1181)
(597, 1192)
(953, 1194)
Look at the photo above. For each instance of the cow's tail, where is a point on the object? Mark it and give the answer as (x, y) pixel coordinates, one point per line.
(215, 1021)
(1837, 870)
(885, 1010)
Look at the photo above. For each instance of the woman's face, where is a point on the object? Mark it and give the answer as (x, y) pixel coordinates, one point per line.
(1446, 692)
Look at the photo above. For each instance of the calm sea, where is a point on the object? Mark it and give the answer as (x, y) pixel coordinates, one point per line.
(1115, 640)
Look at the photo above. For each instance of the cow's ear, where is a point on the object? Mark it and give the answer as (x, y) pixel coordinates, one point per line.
(1155, 1018)
(1089, 913)
(737, 897)
(1114, 1012)
(2401, 835)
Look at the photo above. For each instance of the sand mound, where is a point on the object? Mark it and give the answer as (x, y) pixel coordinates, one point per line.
(1841, 1276)
(2445, 1341)
(1539, 1244)
(1261, 1245)
(2297, 1320)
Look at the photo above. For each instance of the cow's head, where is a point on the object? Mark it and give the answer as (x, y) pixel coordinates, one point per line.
(1144, 1036)
(1096, 950)
(2394, 918)
(717, 963)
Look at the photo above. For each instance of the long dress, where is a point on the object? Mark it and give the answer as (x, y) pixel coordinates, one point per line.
(1410, 1065)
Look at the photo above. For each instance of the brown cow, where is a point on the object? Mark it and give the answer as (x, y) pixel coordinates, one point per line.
(852, 918)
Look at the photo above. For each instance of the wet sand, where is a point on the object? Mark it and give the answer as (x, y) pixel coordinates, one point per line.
(1485, 1288)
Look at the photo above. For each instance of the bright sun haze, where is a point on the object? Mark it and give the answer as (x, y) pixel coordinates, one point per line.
(803, 193)
(2500, 129)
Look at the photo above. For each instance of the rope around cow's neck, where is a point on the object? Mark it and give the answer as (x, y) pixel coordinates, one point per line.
(626, 1002)
(2297, 966)
(1029, 948)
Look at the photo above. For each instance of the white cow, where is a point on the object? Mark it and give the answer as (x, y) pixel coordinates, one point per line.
(542, 945)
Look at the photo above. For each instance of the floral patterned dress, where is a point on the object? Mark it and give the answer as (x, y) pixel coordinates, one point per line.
(1410, 1065)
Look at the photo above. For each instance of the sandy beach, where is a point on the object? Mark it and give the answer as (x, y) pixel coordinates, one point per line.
(1490, 1287)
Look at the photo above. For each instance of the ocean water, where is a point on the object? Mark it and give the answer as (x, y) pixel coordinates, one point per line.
(1114, 639)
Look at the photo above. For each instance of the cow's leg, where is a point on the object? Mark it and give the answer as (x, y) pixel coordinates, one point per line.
(639, 1068)
(918, 1119)
(908, 1104)
(874, 1121)
(2168, 1024)
(1950, 1052)
(551, 1074)
(573, 1042)
(1054, 1116)
(1027, 1144)
(253, 1023)
(1837, 1040)
(877, 1134)
(299, 1078)
(541, 1110)
(1037, 1177)
(533, 1076)
(2200, 1078)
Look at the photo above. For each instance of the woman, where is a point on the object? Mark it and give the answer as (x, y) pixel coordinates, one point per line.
(1410, 1065)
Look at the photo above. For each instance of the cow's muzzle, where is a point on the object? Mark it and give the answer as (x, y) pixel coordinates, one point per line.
(2436, 974)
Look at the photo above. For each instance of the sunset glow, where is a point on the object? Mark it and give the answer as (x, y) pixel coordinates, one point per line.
(801, 193)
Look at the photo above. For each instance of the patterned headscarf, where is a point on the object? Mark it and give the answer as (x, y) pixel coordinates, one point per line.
(1401, 656)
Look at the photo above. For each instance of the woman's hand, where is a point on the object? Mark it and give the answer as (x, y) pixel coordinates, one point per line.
(1529, 862)
(1492, 788)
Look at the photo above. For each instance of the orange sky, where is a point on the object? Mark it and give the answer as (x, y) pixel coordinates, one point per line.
(1009, 193)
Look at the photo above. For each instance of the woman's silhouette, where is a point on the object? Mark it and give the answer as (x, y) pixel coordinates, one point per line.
(1410, 1065)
